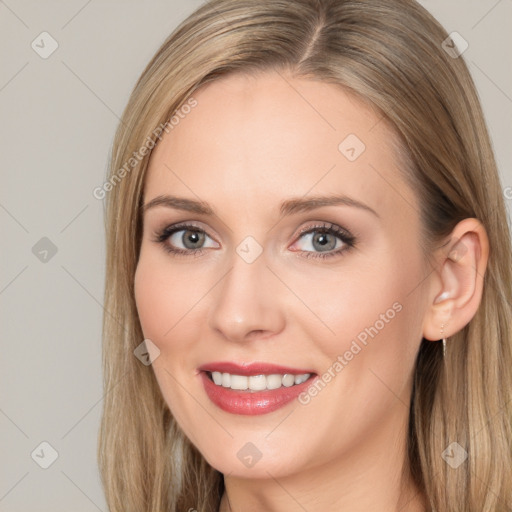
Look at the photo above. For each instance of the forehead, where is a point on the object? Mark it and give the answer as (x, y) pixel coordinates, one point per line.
(253, 140)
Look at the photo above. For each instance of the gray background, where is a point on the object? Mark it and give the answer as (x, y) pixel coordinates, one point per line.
(58, 119)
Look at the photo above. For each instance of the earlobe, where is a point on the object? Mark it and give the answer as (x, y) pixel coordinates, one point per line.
(457, 284)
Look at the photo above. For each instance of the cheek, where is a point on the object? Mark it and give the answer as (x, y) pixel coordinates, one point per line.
(161, 297)
(374, 313)
(168, 301)
(368, 362)
(148, 299)
(161, 302)
(158, 297)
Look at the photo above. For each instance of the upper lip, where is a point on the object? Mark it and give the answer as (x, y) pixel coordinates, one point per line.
(256, 368)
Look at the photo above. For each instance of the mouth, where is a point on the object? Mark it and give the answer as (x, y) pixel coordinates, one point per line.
(256, 388)
(255, 383)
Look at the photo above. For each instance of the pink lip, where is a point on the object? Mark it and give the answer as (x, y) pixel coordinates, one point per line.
(251, 368)
(247, 402)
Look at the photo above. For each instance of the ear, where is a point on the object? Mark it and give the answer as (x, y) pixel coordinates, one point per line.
(457, 282)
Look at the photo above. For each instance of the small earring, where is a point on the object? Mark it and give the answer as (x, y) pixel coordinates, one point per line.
(444, 341)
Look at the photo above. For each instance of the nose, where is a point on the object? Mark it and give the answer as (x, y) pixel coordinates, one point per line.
(246, 302)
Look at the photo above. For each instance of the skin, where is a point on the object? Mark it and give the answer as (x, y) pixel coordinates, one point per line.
(249, 144)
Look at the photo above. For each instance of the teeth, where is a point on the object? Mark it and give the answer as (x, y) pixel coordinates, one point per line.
(299, 379)
(274, 381)
(288, 380)
(258, 382)
(239, 382)
(217, 378)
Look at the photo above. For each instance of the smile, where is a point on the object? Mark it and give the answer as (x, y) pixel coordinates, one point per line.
(257, 382)
(253, 388)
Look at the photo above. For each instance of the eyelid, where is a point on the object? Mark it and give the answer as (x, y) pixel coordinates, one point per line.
(347, 238)
(326, 226)
(186, 226)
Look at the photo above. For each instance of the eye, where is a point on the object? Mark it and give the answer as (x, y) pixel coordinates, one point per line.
(328, 239)
(184, 239)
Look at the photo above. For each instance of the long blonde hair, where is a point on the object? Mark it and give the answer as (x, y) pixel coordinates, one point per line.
(389, 53)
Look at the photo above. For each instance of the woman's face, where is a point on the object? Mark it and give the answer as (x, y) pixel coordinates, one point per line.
(334, 290)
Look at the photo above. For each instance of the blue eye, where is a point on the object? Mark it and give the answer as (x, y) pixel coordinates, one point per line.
(330, 240)
(190, 237)
(326, 238)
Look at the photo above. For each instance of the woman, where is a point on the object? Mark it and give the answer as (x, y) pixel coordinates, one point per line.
(308, 270)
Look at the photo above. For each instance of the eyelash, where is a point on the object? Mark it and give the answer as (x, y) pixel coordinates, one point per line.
(345, 236)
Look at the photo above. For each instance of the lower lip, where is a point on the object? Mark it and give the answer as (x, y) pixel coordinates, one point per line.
(252, 403)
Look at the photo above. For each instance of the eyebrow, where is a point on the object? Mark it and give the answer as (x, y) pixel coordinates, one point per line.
(288, 207)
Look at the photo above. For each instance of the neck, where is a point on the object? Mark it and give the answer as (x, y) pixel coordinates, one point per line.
(371, 477)
(278, 498)
(280, 495)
